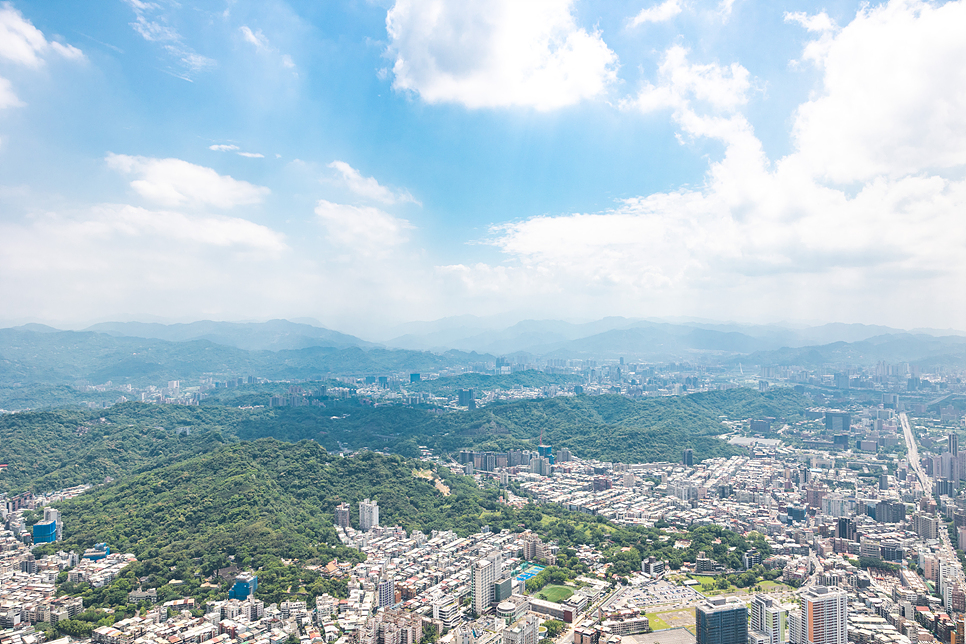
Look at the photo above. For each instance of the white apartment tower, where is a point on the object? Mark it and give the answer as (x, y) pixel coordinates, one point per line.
(368, 515)
(484, 577)
(769, 619)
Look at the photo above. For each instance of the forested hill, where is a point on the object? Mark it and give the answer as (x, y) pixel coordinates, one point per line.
(612, 428)
(264, 498)
(54, 449)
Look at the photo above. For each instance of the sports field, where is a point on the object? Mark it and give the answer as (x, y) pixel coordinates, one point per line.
(555, 593)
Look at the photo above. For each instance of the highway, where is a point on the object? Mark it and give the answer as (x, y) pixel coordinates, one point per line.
(946, 551)
(913, 455)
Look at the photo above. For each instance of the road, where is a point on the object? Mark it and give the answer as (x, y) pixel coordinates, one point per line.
(913, 455)
(946, 551)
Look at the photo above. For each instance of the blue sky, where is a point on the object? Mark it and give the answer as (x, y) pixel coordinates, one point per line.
(366, 163)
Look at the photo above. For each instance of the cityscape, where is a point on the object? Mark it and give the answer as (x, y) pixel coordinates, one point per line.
(482, 322)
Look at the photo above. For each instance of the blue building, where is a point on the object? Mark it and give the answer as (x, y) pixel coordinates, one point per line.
(546, 451)
(98, 552)
(719, 621)
(45, 532)
(245, 586)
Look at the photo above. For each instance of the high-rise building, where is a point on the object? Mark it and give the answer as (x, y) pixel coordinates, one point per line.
(953, 443)
(484, 575)
(719, 621)
(770, 619)
(387, 593)
(368, 515)
(845, 529)
(342, 516)
(824, 616)
(466, 398)
(890, 511)
(838, 421)
(689, 457)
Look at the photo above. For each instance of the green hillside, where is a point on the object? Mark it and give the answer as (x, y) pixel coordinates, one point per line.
(261, 498)
(53, 449)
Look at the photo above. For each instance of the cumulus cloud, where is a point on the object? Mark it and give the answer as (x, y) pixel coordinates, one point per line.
(222, 147)
(368, 187)
(361, 230)
(658, 13)
(892, 100)
(502, 53)
(780, 232)
(680, 82)
(23, 43)
(173, 182)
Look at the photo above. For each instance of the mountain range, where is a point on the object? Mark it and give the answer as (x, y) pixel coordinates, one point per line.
(279, 349)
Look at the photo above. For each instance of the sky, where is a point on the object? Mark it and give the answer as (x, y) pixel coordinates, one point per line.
(365, 163)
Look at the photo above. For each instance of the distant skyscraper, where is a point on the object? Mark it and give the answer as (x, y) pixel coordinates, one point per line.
(342, 515)
(719, 621)
(466, 398)
(689, 457)
(824, 616)
(368, 515)
(838, 421)
(953, 444)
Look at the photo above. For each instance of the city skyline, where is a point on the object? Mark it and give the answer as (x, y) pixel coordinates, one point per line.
(415, 160)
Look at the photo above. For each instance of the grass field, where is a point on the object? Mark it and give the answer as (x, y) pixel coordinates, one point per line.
(555, 593)
(680, 618)
(656, 623)
(769, 586)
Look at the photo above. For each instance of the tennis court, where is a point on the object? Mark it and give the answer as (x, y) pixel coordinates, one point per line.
(529, 573)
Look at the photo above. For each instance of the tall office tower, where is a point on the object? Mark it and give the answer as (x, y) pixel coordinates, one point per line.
(719, 621)
(387, 593)
(368, 515)
(484, 577)
(342, 515)
(824, 616)
(689, 457)
(769, 619)
(953, 444)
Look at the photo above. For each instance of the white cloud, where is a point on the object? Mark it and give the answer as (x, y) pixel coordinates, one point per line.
(497, 54)
(892, 100)
(658, 13)
(251, 155)
(819, 23)
(222, 147)
(725, 7)
(256, 38)
(772, 237)
(8, 98)
(124, 259)
(173, 182)
(23, 43)
(153, 25)
(368, 187)
(360, 230)
(262, 46)
(680, 82)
